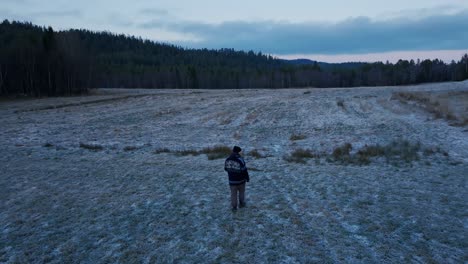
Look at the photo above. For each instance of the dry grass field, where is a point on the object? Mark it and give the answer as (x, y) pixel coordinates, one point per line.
(362, 175)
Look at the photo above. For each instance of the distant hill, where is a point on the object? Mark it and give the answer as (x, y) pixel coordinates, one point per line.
(300, 61)
(326, 65)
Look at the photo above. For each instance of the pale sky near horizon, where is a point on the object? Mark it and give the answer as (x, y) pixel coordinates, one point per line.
(332, 30)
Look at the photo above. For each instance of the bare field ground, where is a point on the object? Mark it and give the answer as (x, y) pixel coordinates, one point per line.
(132, 176)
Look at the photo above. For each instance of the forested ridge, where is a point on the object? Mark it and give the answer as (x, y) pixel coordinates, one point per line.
(39, 61)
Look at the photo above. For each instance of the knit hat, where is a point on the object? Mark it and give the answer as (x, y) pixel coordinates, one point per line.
(236, 149)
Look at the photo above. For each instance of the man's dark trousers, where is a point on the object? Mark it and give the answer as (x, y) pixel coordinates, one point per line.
(235, 189)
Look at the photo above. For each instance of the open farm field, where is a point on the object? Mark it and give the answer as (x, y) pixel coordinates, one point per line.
(358, 175)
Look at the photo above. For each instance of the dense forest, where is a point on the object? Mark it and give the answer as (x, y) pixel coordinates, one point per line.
(39, 61)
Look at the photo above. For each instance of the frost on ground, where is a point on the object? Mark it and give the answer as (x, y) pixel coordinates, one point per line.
(123, 176)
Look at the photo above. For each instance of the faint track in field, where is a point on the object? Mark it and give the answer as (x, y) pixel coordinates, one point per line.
(104, 100)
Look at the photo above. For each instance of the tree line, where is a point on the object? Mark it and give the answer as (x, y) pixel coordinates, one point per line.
(39, 61)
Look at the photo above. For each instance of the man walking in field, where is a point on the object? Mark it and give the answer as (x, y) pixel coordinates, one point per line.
(238, 176)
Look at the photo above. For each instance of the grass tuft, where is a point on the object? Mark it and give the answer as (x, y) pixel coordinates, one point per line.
(399, 150)
(342, 152)
(130, 148)
(300, 156)
(340, 103)
(93, 147)
(303, 153)
(216, 152)
(372, 151)
(295, 137)
(162, 150)
(187, 153)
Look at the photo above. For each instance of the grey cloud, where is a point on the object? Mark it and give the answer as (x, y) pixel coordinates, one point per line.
(16, 1)
(64, 13)
(154, 12)
(9, 15)
(354, 35)
(425, 12)
(119, 20)
(4, 13)
(42, 18)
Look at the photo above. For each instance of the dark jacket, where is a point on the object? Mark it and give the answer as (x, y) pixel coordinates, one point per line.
(237, 171)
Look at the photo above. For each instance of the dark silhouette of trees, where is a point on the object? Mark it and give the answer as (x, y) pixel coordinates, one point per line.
(39, 61)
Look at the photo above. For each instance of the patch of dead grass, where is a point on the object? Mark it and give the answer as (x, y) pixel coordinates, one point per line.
(451, 106)
(300, 155)
(395, 152)
(216, 152)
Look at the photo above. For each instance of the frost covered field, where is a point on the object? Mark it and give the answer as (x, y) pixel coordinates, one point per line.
(120, 176)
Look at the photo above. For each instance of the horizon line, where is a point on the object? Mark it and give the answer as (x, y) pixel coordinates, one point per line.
(391, 56)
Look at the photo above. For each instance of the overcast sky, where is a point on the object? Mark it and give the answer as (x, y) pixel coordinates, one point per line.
(330, 30)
